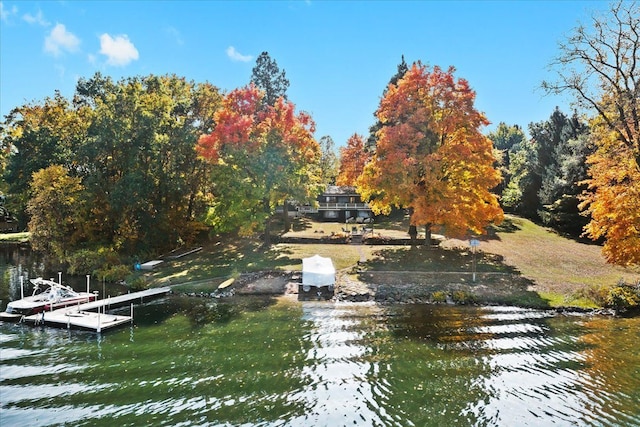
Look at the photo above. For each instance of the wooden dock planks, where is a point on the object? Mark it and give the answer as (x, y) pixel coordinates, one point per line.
(82, 316)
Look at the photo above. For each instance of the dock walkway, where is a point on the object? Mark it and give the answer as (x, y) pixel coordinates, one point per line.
(82, 316)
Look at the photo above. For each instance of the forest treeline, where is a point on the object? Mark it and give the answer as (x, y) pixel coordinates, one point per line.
(127, 169)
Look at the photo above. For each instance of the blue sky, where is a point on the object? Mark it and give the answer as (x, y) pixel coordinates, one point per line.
(338, 55)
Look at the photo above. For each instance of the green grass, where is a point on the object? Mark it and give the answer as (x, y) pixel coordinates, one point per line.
(556, 271)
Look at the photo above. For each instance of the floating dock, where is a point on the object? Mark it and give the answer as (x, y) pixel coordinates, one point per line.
(83, 316)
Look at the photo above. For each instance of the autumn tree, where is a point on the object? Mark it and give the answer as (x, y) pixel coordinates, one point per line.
(36, 136)
(267, 76)
(261, 157)
(431, 156)
(53, 210)
(599, 65)
(352, 160)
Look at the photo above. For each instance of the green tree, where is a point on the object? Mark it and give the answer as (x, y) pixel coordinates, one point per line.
(144, 178)
(372, 140)
(328, 161)
(506, 140)
(267, 76)
(542, 171)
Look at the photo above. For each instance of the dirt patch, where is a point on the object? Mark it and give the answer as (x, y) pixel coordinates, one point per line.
(265, 283)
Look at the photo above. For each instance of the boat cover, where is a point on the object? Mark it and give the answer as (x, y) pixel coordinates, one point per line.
(318, 271)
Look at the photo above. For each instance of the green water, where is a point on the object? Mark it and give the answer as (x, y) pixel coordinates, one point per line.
(268, 362)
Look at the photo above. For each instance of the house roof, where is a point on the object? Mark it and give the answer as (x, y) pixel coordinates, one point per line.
(340, 190)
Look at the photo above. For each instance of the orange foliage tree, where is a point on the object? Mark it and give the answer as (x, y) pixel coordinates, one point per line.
(614, 197)
(352, 160)
(262, 156)
(431, 156)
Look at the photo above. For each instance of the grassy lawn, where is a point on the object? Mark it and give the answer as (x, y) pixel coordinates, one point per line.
(553, 262)
(561, 271)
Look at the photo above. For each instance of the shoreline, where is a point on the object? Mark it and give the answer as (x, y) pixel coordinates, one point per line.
(350, 289)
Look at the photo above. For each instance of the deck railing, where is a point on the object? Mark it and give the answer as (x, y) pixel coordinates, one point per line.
(331, 206)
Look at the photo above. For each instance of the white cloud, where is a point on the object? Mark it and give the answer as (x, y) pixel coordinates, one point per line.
(38, 18)
(6, 13)
(237, 56)
(119, 50)
(59, 40)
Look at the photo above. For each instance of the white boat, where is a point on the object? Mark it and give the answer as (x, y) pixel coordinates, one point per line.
(318, 278)
(47, 295)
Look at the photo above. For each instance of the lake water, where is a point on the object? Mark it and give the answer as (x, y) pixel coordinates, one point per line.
(252, 361)
(282, 362)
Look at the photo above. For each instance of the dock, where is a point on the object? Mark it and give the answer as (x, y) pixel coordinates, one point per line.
(83, 316)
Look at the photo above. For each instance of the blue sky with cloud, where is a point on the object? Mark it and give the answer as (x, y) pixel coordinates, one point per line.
(338, 56)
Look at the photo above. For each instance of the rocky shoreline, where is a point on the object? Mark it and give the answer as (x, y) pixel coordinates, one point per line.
(399, 288)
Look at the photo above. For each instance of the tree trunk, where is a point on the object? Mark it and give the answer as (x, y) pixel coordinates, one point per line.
(413, 233)
(427, 235)
(287, 223)
(267, 224)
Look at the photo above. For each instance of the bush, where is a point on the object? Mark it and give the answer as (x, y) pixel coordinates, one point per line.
(85, 261)
(439, 296)
(114, 273)
(462, 297)
(597, 294)
(623, 296)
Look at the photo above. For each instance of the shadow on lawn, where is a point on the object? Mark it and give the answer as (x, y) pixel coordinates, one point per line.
(438, 275)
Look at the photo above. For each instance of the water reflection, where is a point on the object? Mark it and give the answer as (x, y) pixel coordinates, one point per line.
(285, 363)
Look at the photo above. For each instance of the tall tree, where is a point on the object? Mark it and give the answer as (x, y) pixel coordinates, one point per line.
(562, 177)
(353, 157)
(328, 161)
(614, 197)
(261, 157)
(431, 156)
(599, 65)
(267, 76)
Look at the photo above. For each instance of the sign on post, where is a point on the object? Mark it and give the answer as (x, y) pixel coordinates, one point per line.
(474, 243)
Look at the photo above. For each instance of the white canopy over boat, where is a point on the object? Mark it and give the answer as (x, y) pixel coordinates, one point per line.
(318, 271)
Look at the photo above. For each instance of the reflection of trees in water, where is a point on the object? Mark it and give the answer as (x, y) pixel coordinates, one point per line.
(428, 369)
(238, 372)
(611, 372)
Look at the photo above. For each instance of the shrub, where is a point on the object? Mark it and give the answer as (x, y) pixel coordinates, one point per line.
(114, 273)
(623, 296)
(462, 297)
(595, 293)
(439, 296)
(84, 261)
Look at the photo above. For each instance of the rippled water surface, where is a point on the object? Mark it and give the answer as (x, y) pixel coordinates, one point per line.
(288, 363)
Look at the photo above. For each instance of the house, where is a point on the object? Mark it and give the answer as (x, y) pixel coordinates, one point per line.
(340, 204)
